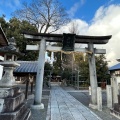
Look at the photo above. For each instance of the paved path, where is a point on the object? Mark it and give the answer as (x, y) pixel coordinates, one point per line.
(62, 106)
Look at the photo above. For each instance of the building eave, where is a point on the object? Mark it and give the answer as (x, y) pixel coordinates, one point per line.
(3, 38)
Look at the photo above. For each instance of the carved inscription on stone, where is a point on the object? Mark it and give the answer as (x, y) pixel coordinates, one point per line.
(6, 93)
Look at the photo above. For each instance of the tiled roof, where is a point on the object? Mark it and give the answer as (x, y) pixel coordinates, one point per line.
(115, 67)
(26, 67)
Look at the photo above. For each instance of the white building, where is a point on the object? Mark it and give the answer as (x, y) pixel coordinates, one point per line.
(115, 70)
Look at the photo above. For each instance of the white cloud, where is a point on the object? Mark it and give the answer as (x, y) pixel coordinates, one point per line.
(82, 27)
(75, 7)
(105, 22)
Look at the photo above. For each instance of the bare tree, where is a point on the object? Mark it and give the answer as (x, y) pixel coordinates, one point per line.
(74, 27)
(46, 15)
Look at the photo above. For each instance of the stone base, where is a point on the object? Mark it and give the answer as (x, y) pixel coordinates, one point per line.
(22, 113)
(116, 107)
(11, 103)
(93, 106)
(37, 107)
(115, 113)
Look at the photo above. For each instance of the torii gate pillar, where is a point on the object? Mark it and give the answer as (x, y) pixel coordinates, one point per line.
(39, 78)
(93, 78)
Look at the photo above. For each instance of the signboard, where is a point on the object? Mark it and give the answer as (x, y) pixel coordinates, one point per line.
(68, 42)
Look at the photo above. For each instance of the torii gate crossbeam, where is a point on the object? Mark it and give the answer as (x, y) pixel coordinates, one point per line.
(90, 40)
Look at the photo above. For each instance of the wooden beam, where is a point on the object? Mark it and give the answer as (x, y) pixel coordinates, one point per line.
(56, 49)
(32, 47)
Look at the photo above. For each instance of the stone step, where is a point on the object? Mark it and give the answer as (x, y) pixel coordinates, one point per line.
(115, 113)
(25, 115)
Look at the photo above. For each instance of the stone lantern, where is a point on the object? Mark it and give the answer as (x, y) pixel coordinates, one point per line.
(13, 53)
(10, 54)
(12, 106)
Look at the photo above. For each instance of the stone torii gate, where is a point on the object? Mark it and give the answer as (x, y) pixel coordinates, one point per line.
(43, 38)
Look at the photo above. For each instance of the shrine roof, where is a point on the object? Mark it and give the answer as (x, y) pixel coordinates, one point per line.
(26, 67)
(59, 37)
(115, 67)
(3, 39)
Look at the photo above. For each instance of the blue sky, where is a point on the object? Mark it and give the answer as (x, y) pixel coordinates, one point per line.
(85, 9)
(92, 17)
(80, 9)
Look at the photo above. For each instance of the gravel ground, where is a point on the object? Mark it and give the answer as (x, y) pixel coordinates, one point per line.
(39, 114)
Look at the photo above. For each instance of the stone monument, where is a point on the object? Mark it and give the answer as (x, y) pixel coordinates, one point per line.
(115, 110)
(12, 105)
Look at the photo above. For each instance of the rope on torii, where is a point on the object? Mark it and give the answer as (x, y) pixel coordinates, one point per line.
(51, 48)
(68, 52)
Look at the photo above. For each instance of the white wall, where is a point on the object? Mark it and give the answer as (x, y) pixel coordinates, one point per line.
(1, 71)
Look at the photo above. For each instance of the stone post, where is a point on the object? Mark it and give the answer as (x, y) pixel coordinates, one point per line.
(118, 89)
(39, 77)
(93, 78)
(111, 79)
(99, 98)
(115, 90)
(109, 96)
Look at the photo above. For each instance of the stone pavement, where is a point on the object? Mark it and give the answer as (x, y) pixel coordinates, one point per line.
(73, 96)
(62, 106)
(84, 98)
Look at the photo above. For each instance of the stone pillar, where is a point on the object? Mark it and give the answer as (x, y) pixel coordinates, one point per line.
(5, 57)
(78, 80)
(111, 80)
(13, 57)
(8, 79)
(89, 90)
(93, 78)
(115, 90)
(109, 96)
(99, 98)
(39, 77)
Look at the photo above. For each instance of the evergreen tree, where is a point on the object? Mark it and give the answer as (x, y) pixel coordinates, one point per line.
(4, 24)
(14, 28)
(48, 69)
(101, 68)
